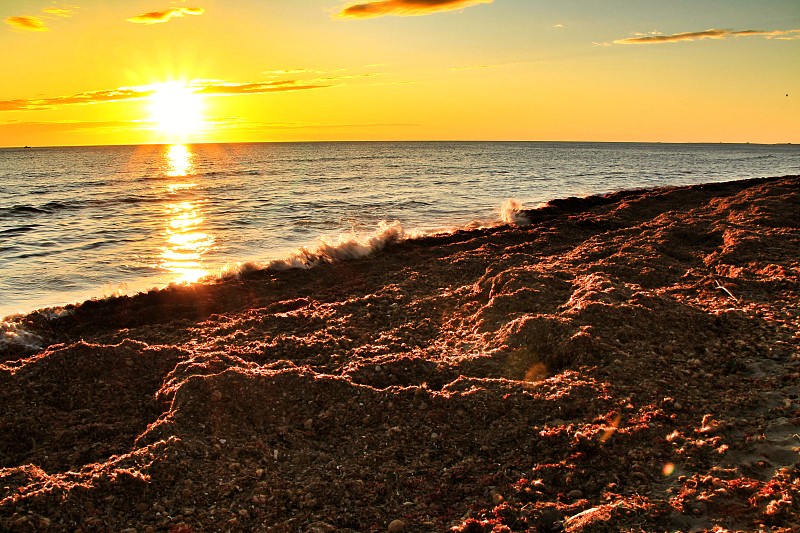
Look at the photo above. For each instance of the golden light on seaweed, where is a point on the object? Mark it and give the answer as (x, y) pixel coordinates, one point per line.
(611, 428)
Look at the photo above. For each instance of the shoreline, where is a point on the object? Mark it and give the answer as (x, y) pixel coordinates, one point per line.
(362, 245)
(625, 361)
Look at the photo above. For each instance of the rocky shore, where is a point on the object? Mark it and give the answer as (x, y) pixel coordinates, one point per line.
(627, 362)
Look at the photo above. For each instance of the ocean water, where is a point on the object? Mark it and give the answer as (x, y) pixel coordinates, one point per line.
(84, 222)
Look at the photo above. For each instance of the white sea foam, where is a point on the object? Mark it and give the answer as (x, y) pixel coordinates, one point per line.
(12, 334)
(344, 247)
(511, 213)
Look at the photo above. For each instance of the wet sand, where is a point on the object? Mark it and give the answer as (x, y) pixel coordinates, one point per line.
(626, 362)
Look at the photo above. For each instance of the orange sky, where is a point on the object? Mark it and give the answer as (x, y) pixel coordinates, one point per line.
(108, 72)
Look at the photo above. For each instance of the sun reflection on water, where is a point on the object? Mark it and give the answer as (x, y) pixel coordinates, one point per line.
(179, 160)
(187, 241)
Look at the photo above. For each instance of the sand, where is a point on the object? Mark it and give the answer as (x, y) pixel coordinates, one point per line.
(626, 362)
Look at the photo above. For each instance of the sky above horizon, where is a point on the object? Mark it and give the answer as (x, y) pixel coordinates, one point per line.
(89, 72)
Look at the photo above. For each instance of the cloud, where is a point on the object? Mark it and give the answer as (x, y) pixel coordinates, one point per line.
(320, 75)
(91, 97)
(242, 125)
(158, 17)
(208, 87)
(487, 66)
(379, 8)
(65, 11)
(222, 88)
(27, 23)
(290, 72)
(658, 38)
(63, 126)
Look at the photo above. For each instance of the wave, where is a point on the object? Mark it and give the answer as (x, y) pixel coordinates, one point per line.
(10, 232)
(22, 210)
(354, 246)
(13, 334)
(344, 247)
(51, 208)
(511, 213)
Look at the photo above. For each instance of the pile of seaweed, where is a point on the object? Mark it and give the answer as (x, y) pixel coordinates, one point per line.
(624, 362)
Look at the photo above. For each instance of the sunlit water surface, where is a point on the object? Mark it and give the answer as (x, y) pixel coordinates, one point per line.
(86, 222)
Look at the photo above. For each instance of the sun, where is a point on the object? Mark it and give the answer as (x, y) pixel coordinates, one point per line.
(176, 109)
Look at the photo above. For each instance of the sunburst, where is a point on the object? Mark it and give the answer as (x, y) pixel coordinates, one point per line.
(176, 109)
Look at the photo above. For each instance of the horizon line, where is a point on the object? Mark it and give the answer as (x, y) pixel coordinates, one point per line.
(407, 141)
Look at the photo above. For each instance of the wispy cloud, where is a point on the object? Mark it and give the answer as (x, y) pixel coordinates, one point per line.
(223, 88)
(207, 87)
(64, 11)
(90, 97)
(159, 17)
(486, 66)
(27, 23)
(320, 75)
(290, 72)
(379, 8)
(242, 125)
(67, 126)
(659, 38)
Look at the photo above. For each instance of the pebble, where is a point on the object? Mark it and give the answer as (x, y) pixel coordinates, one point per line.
(320, 527)
(575, 494)
(395, 526)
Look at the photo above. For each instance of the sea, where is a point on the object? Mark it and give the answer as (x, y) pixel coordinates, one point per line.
(78, 223)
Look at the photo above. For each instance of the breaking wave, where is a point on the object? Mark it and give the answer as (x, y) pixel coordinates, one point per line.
(343, 248)
(354, 246)
(511, 213)
(12, 334)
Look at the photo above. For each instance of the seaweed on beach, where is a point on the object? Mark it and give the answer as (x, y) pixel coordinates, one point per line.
(624, 362)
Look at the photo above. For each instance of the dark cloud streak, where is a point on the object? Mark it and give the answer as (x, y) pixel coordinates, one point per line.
(379, 8)
(159, 17)
(256, 88)
(92, 97)
(27, 23)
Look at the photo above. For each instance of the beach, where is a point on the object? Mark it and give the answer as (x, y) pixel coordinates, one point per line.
(619, 362)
